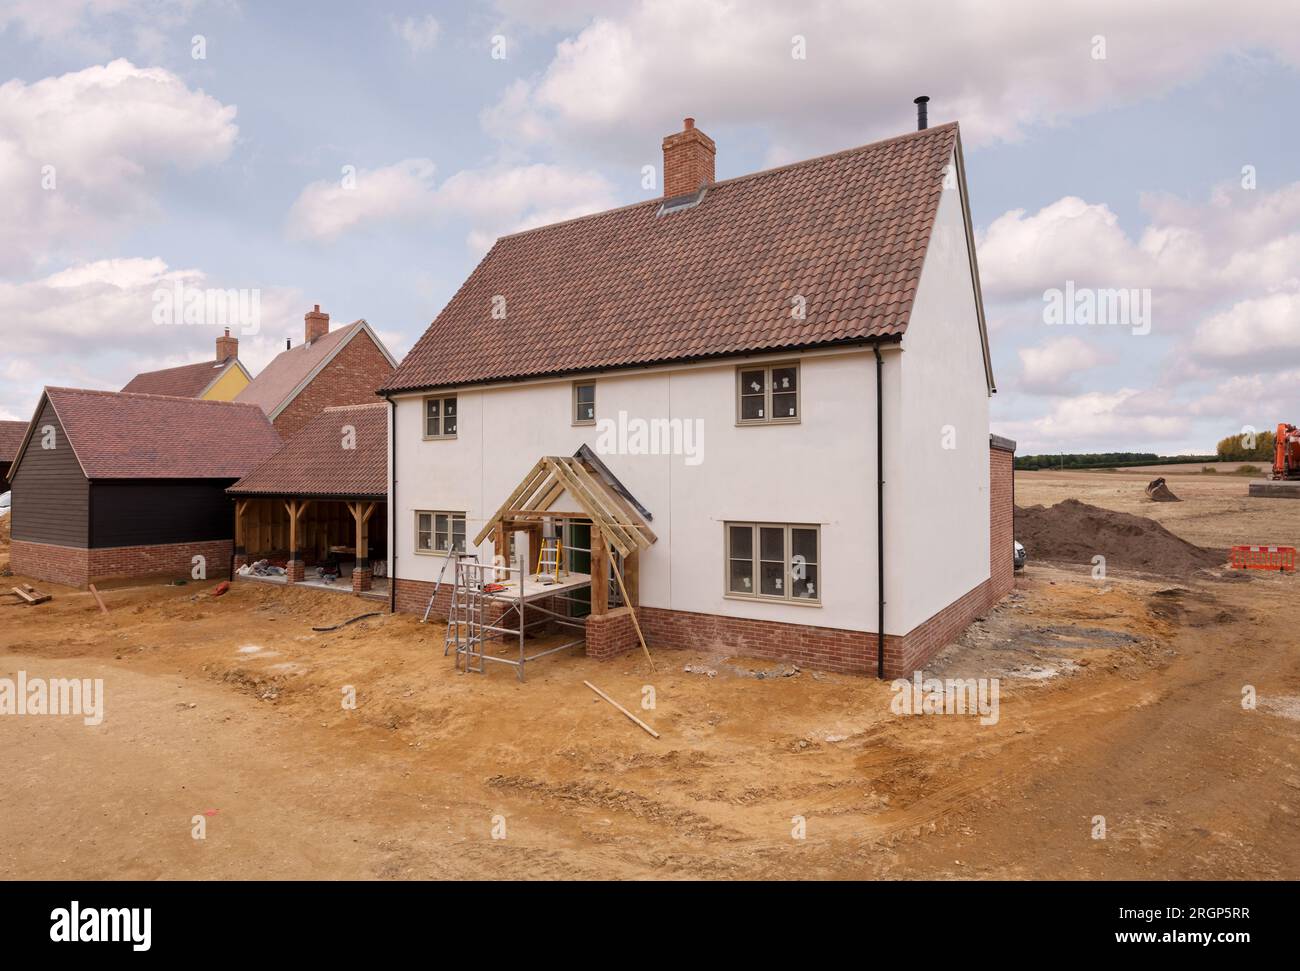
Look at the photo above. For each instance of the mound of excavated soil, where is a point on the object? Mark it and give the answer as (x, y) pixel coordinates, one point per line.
(1075, 532)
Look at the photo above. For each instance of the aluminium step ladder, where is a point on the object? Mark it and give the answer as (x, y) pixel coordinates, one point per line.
(549, 557)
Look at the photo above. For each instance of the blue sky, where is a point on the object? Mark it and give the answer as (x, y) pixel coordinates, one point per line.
(1123, 170)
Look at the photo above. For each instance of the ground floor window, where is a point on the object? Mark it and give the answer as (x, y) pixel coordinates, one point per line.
(439, 532)
(774, 561)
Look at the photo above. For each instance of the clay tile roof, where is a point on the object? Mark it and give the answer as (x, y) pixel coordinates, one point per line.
(280, 380)
(315, 463)
(116, 435)
(848, 232)
(11, 436)
(186, 381)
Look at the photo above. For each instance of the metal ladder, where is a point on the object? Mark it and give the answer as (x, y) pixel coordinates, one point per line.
(451, 557)
(465, 632)
(550, 556)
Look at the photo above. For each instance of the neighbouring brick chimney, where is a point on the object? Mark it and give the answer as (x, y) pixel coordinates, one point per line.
(688, 160)
(318, 324)
(227, 347)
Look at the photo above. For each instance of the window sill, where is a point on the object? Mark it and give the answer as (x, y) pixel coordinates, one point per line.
(796, 601)
(760, 422)
(439, 438)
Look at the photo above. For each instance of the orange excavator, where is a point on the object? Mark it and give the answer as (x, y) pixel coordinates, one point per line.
(1286, 452)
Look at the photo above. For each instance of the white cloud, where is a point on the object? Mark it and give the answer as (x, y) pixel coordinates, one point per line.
(419, 33)
(1097, 420)
(1264, 331)
(94, 29)
(1048, 367)
(105, 136)
(1236, 242)
(495, 200)
(91, 325)
(326, 209)
(1000, 68)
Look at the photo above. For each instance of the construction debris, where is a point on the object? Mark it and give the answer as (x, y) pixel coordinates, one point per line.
(221, 588)
(98, 599)
(621, 708)
(262, 568)
(1157, 491)
(31, 596)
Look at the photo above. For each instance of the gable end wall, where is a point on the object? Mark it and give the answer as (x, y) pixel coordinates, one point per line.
(350, 379)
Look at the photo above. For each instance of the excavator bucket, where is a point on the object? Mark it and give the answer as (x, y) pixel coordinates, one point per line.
(1157, 491)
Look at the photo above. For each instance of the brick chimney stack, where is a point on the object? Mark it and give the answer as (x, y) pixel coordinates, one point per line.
(688, 160)
(318, 324)
(227, 347)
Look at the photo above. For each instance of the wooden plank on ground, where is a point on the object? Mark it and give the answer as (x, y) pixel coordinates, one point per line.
(98, 599)
(32, 597)
(621, 708)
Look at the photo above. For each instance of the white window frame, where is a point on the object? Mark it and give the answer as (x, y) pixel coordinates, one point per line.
(433, 532)
(756, 561)
(768, 392)
(442, 400)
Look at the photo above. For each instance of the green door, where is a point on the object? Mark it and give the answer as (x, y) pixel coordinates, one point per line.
(578, 544)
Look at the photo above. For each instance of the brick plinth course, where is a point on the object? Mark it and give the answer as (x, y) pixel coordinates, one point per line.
(79, 567)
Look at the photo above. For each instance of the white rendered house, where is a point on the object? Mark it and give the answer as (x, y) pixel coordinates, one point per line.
(765, 369)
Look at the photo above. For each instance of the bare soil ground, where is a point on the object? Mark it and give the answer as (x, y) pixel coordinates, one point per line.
(1119, 699)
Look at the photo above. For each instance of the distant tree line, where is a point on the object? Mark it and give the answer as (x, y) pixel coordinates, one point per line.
(1103, 460)
(1234, 448)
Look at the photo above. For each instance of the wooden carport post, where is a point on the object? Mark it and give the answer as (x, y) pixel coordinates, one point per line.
(296, 570)
(599, 572)
(362, 575)
(241, 539)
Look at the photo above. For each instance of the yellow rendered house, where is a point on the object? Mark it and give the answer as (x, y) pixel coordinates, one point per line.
(219, 380)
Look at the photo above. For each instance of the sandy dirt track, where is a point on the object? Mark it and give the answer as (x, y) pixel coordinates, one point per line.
(1120, 699)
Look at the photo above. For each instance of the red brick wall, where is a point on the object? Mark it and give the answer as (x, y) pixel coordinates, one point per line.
(57, 564)
(611, 634)
(78, 567)
(1001, 522)
(350, 379)
(413, 596)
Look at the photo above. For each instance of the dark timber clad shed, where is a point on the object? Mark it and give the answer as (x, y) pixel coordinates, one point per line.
(113, 485)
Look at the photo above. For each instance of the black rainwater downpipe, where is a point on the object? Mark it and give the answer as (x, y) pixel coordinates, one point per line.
(880, 513)
(392, 509)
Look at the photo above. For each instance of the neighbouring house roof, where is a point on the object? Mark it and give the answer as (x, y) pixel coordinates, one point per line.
(630, 287)
(186, 381)
(117, 435)
(292, 370)
(11, 437)
(314, 462)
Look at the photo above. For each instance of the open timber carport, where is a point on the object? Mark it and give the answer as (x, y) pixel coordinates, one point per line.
(314, 513)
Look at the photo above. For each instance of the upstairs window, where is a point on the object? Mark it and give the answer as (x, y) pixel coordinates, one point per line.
(440, 417)
(584, 403)
(767, 395)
